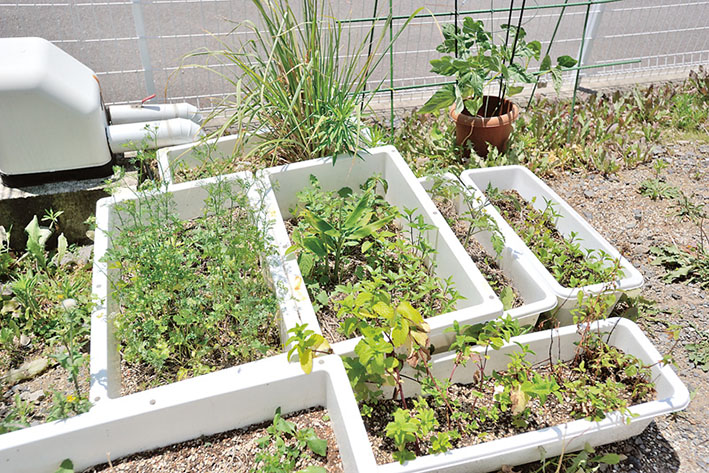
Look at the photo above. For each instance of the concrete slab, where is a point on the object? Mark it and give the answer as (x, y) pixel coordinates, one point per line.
(76, 198)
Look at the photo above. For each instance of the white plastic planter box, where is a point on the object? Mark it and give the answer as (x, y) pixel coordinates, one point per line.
(284, 182)
(671, 396)
(190, 155)
(188, 201)
(529, 186)
(516, 265)
(217, 402)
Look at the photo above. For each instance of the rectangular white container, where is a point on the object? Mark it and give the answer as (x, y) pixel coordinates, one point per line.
(284, 182)
(529, 186)
(189, 199)
(174, 158)
(217, 402)
(671, 396)
(515, 263)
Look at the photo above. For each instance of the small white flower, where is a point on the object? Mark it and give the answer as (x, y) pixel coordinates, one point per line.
(499, 389)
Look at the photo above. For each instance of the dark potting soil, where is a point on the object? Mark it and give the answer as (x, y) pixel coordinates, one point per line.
(485, 263)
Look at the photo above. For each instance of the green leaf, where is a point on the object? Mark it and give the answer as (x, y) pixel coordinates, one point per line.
(317, 445)
(546, 64)
(305, 357)
(315, 245)
(566, 61)
(610, 458)
(514, 90)
(557, 79)
(306, 263)
(442, 98)
(507, 296)
(366, 246)
(61, 248)
(313, 469)
(356, 214)
(384, 310)
(36, 238)
(407, 310)
(67, 466)
(400, 333)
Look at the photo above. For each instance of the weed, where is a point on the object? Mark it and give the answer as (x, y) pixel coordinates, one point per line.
(349, 245)
(564, 257)
(658, 190)
(698, 352)
(470, 220)
(45, 312)
(683, 264)
(285, 446)
(585, 460)
(192, 296)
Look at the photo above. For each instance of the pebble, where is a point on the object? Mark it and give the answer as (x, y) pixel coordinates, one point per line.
(659, 150)
(587, 215)
(589, 194)
(675, 296)
(638, 214)
(704, 149)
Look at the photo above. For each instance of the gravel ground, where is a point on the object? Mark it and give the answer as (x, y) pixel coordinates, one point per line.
(634, 223)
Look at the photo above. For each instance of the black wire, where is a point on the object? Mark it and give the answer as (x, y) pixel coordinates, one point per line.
(369, 50)
(512, 57)
(456, 28)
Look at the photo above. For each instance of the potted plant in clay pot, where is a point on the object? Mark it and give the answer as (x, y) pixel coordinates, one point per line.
(476, 62)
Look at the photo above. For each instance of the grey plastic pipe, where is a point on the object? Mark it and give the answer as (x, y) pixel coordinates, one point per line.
(121, 114)
(152, 134)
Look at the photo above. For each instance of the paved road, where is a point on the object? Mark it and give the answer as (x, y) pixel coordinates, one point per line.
(102, 34)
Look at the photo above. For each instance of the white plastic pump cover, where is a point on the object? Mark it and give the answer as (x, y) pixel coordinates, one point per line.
(52, 118)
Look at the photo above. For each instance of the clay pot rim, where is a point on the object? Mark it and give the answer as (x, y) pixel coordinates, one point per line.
(486, 122)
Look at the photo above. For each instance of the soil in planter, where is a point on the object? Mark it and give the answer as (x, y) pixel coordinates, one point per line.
(406, 275)
(232, 451)
(570, 265)
(552, 412)
(193, 298)
(485, 263)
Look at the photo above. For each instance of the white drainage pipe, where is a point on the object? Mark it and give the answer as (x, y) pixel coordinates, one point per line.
(121, 114)
(151, 135)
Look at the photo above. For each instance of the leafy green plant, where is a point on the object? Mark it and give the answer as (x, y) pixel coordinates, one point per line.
(466, 222)
(343, 227)
(698, 352)
(658, 190)
(587, 460)
(191, 293)
(571, 265)
(18, 416)
(479, 61)
(349, 245)
(285, 446)
(66, 466)
(300, 79)
(683, 264)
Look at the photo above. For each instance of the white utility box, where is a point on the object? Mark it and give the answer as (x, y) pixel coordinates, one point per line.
(52, 117)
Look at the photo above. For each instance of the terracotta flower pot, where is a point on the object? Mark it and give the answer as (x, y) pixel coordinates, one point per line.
(482, 129)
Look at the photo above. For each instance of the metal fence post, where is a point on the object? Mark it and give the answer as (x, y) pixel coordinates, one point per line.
(593, 21)
(137, 9)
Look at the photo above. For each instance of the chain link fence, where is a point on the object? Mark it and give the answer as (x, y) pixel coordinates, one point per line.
(136, 46)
